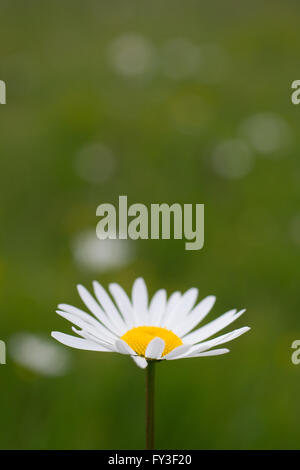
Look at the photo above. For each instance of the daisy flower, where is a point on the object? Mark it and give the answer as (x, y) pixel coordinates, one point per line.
(162, 329)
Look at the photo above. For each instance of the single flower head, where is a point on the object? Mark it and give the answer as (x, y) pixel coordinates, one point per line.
(156, 330)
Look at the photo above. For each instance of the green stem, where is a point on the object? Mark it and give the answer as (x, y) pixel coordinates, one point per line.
(150, 376)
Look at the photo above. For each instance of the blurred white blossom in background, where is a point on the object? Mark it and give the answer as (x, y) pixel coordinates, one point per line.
(97, 255)
(267, 133)
(232, 159)
(132, 55)
(38, 354)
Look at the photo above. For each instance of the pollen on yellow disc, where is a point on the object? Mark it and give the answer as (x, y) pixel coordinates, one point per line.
(138, 338)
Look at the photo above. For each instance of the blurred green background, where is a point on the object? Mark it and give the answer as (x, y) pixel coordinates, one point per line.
(166, 102)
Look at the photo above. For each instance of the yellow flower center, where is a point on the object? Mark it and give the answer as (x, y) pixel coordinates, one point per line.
(138, 338)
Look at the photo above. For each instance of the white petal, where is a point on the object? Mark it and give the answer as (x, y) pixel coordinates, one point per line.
(123, 303)
(140, 361)
(155, 348)
(80, 313)
(204, 346)
(171, 304)
(173, 300)
(213, 352)
(223, 339)
(94, 307)
(180, 350)
(109, 307)
(100, 331)
(196, 316)
(183, 307)
(140, 300)
(213, 327)
(123, 348)
(85, 334)
(77, 343)
(157, 307)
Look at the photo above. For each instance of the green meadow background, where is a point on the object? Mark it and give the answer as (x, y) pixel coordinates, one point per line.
(167, 101)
